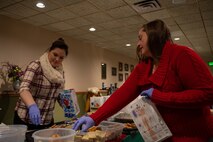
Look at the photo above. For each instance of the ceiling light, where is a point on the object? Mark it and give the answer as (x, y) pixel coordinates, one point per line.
(92, 29)
(40, 5)
(128, 44)
(177, 38)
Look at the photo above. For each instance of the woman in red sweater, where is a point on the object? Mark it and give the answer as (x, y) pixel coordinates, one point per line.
(175, 78)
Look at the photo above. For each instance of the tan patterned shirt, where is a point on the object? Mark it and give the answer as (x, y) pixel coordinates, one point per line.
(43, 91)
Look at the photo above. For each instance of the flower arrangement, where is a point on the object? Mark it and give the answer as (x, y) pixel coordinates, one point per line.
(10, 72)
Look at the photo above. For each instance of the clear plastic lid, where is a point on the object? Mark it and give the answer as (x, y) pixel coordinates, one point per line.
(6, 131)
(47, 134)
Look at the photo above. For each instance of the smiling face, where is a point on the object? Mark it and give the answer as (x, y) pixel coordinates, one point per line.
(143, 44)
(56, 56)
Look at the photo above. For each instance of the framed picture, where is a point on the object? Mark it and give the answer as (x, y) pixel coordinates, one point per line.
(114, 71)
(131, 68)
(103, 70)
(120, 66)
(120, 77)
(126, 76)
(126, 67)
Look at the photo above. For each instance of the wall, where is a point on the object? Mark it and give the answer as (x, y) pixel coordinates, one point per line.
(22, 43)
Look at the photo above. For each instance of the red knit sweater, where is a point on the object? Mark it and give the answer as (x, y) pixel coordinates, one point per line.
(183, 93)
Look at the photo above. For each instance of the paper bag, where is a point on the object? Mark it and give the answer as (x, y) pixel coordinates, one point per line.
(69, 102)
(148, 120)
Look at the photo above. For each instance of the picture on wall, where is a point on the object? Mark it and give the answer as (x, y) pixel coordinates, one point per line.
(120, 77)
(114, 71)
(120, 66)
(131, 68)
(126, 67)
(126, 76)
(103, 71)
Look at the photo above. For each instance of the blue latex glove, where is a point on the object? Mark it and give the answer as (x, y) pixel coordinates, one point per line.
(147, 93)
(85, 121)
(34, 114)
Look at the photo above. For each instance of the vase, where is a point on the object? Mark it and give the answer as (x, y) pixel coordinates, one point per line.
(16, 85)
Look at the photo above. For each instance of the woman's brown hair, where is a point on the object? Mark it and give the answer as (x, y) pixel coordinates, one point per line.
(158, 33)
(59, 43)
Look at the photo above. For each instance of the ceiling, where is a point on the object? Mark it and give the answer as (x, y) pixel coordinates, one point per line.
(117, 21)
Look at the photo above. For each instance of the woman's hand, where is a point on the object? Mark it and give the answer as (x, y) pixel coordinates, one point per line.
(34, 114)
(85, 121)
(147, 93)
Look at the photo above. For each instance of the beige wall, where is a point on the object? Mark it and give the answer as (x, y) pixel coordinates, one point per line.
(21, 43)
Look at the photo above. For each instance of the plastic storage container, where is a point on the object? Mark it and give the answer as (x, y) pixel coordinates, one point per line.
(105, 131)
(11, 133)
(54, 135)
(113, 129)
